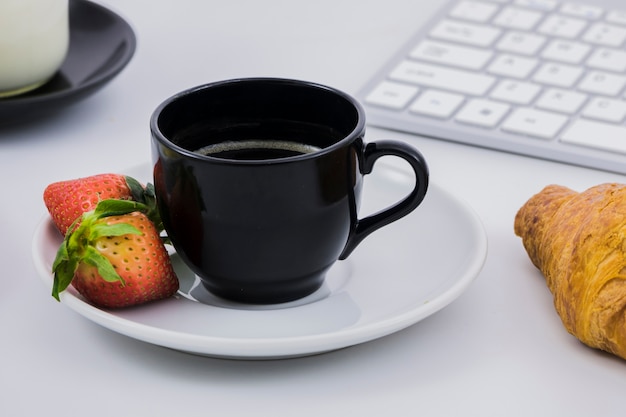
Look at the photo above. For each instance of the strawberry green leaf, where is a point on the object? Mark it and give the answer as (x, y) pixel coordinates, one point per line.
(136, 189)
(105, 268)
(61, 256)
(63, 277)
(99, 230)
(150, 198)
(113, 207)
(153, 211)
(63, 267)
(149, 191)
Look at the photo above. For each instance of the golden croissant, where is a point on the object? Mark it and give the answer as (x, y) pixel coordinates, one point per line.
(578, 241)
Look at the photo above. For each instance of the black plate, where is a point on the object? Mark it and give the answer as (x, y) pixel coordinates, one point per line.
(101, 44)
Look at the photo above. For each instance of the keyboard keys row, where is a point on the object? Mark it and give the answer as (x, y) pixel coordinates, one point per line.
(545, 121)
(442, 104)
(570, 52)
(479, 11)
(477, 84)
(518, 66)
(483, 35)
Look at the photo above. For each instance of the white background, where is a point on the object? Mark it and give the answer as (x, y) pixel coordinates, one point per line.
(499, 350)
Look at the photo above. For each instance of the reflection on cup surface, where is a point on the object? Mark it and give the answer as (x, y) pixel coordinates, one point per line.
(34, 39)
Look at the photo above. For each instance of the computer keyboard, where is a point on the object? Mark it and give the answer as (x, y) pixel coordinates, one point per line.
(542, 78)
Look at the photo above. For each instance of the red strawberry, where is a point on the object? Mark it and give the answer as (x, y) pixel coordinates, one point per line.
(115, 258)
(68, 200)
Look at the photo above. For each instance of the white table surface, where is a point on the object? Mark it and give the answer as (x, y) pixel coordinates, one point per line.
(498, 350)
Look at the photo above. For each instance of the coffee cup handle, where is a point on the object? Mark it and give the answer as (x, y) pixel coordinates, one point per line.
(367, 225)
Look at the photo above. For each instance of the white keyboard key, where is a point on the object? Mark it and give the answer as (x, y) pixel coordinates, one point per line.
(458, 81)
(561, 26)
(521, 42)
(437, 103)
(516, 92)
(607, 109)
(391, 95)
(558, 75)
(602, 83)
(449, 54)
(608, 59)
(537, 123)
(562, 101)
(483, 113)
(516, 18)
(467, 33)
(616, 16)
(543, 5)
(596, 135)
(562, 50)
(475, 11)
(582, 10)
(512, 66)
(605, 34)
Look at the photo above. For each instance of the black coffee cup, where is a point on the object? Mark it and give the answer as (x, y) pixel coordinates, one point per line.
(259, 180)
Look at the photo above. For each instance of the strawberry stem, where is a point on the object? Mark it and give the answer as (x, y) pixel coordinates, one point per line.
(145, 195)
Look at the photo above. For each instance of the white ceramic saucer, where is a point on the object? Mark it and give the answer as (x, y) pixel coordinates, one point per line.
(398, 276)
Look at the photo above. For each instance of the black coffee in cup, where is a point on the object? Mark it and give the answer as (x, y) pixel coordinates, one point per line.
(254, 137)
(256, 149)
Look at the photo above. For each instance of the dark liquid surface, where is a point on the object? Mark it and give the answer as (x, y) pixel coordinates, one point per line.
(256, 140)
(256, 149)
